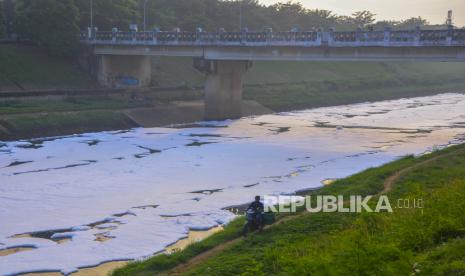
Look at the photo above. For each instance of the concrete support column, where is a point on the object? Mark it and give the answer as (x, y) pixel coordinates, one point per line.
(223, 88)
(124, 71)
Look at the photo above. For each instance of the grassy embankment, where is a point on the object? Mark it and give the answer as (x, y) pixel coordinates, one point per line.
(28, 68)
(414, 241)
(279, 86)
(284, 86)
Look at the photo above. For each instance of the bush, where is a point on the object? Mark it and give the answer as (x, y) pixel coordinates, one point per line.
(2, 21)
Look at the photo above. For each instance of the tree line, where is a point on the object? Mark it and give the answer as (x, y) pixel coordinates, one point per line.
(55, 24)
(2, 21)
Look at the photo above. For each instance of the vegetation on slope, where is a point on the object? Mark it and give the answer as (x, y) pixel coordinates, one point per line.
(298, 85)
(415, 241)
(29, 67)
(283, 86)
(69, 104)
(52, 24)
(180, 71)
(57, 124)
(304, 96)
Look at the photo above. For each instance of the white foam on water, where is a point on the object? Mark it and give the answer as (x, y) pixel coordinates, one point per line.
(144, 189)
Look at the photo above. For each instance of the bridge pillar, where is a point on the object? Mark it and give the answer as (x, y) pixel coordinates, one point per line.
(223, 87)
(116, 71)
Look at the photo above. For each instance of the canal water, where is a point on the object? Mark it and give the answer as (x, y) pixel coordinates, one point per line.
(81, 200)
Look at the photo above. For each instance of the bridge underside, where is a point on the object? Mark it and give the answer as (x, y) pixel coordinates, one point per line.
(433, 53)
(117, 71)
(223, 87)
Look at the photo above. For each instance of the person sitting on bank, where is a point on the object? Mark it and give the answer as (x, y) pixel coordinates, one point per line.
(257, 208)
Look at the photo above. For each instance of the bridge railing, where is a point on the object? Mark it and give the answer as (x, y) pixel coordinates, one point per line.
(372, 36)
(458, 34)
(449, 37)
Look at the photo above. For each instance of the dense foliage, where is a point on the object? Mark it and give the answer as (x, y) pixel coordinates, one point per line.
(49, 23)
(214, 14)
(2, 21)
(7, 15)
(108, 13)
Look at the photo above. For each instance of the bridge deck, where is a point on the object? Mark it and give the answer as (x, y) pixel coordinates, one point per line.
(410, 38)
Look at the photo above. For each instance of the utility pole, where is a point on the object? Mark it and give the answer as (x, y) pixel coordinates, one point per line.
(240, 15)
(91, 14)
(449, 22)
(145, 15)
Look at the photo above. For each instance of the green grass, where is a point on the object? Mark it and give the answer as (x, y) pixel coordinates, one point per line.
(320, 94)
(283, 86)
(54, 124)
(168, 71)
(175, 72)
(427, 241)
(292, 72)
(69, 104)
(31, 68)
(165, 262)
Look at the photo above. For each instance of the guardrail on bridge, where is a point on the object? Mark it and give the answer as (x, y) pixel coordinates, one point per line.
(387, 38)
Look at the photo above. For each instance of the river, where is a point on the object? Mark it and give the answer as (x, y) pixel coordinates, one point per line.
(81, 200)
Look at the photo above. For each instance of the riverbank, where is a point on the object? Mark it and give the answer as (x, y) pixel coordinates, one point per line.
(269, 86)
(60, 123)
(29, 126)
(33, 118)
(108, 267)
(327, 243)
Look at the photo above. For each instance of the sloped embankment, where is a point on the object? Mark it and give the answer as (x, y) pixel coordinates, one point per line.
(425, 239)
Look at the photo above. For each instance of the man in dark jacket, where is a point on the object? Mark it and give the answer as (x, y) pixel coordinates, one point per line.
(256, 206)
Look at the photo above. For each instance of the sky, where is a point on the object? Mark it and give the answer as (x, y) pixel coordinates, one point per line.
(435, 11)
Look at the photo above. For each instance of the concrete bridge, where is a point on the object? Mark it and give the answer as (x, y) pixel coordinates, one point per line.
(124, 57)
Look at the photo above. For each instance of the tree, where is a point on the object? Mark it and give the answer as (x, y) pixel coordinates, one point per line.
(9, 16)
(287, 15)
(2, 21)
(363, 18)
(109, 13)
(49, 23)
(383, 24)
(412, 23)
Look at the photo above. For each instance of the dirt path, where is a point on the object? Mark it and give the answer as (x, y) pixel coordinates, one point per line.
(202, 257)
(388, 184)
(209, 253)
